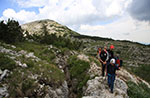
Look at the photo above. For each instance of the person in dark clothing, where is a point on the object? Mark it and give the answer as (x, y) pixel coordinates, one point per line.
(111, 73)
(103, 59)
(110, 52)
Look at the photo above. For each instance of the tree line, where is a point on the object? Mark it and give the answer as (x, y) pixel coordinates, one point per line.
(11, 32)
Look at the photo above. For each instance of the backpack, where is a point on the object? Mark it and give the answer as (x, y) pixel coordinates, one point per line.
(118, 61)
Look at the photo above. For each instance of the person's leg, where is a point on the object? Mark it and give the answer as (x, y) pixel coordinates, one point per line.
(109, 80)
(103, 69)
(112, 82)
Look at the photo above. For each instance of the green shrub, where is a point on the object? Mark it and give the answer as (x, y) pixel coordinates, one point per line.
(60, 41)
(11, 31)
(20, 85)
(78, 70)
(6, 63)
(138, 91)
(142, 71)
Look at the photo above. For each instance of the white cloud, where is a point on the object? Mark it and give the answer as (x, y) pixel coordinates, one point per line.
(123, 29)
(83, 15)
(22, 16)
(31, 3)
(76, 12)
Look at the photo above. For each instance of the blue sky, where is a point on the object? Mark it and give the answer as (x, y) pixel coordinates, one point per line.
(117, 19)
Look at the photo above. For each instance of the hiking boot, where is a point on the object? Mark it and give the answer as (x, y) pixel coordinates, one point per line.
(111, 91)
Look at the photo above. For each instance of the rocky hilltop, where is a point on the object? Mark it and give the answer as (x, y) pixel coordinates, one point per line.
(52, 27)
(32, 69)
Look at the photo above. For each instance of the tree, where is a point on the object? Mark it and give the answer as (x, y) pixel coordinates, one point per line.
(11, 31)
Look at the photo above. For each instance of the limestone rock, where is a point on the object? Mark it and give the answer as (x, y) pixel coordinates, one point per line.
(98, 88)
(83, 57)
(61, 92)
(3, 74)
(3, 92)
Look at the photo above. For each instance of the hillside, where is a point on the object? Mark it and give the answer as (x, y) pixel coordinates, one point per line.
(67, 67)
(38, 28)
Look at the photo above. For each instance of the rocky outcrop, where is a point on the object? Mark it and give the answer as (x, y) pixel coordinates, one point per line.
(3, 92)
(52, 27)
(98, 88)
(83, 57)
(61, 92)
(4, 73)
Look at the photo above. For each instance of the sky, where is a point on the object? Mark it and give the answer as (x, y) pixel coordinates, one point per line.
(116, 19)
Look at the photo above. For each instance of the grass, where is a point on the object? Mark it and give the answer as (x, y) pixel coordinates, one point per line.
(6, 63)
(78, 70)
(138, 91)
(142, 71)
(39, 50)
(21, 82)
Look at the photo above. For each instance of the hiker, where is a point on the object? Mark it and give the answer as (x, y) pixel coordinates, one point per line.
(111, 73)
(111, 53)
(103, 59)
(98, 52)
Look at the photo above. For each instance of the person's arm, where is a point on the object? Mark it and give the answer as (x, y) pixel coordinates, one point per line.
(107, 56)
(100, 60)
(117, 67)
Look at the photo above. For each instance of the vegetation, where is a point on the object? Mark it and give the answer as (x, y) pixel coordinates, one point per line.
(38, 49)
(25, 81)
(60, 41)
(142, 71)
(6, 63)
(138, 91)
(11, 31)
(78, 70)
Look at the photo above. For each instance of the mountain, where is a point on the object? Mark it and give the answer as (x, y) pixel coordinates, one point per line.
(52, 27)
(67, 67)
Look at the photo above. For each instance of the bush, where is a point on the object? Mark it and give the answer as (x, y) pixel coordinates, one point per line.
(58, 41)
(6, 63)
(11, 32)
(78, 70)
(20, 85)
(142, 71)
(138, 91)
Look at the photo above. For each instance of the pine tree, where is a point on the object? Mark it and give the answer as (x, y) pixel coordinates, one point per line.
(11, 31)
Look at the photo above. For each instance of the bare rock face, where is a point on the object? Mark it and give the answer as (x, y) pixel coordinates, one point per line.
(94, 70)
(52, 27)
(3, 92)
(83, 57)
(61, 92)
(98, 88)
(4, 74)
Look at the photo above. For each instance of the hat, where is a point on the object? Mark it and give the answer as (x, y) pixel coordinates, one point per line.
(112, 47)
(112, 61)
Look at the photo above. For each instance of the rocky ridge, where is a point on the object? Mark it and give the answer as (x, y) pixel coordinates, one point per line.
(52, 27)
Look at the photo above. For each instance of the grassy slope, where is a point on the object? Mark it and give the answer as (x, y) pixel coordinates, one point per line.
(21, 81)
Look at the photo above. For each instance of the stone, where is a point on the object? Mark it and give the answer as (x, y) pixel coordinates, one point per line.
(3, 92)
(4, 74)
(13, 46)
(83, 57)
(59, 92)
